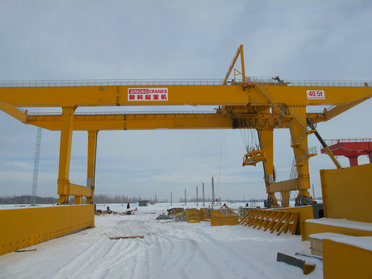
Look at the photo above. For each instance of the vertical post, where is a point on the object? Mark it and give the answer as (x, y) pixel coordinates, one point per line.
(313, 192)
(213, 192)
(185, 198)
(298, 130)
(266, 138)
(353, 160)
(242, 63)
(91, 169)
(197, 198)
(171, 199)
(203, 195)
(65, 155)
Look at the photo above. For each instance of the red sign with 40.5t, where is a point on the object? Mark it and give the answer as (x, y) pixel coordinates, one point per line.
(315, 94)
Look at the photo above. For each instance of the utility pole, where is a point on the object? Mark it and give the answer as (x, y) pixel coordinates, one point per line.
(213, 192)
(313, 193)
(185, 198)
(197, 198)
(36, 166)
(203, 196)
(171, 199)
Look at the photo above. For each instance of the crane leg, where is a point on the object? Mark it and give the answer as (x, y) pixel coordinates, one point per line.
(266, 137)
(298, 128)
(91, 169)
(65, 155)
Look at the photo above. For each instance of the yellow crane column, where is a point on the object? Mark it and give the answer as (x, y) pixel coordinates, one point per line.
(266, 137)
(91, 170)
(298, 130)
(65, 154)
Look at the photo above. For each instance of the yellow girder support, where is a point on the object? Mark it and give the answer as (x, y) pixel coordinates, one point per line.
(14, 112)
(266, 138)
(159, 121)
(342, 108)
(298, 131)
(65, 154)
(178, 95)
(239, 51)
(91, 169)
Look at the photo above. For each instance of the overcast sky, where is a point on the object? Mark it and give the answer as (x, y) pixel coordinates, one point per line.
(59, 40)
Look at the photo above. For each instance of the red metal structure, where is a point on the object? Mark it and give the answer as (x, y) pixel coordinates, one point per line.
(351, 148)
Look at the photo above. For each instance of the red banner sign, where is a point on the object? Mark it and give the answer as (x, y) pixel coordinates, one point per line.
(148, 94)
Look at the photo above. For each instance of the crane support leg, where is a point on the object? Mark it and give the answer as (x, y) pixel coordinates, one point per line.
(91, 170)
(298, 130)
(266, 138)
(65, 155)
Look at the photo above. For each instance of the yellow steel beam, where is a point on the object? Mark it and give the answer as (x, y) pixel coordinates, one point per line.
(342, 108)
(160, 121)
(283, 186)
(242, 63)
(78, 190)
(178, 95)
(238, 51)
(298, 131)
(25, 227)
(266, 137)
(91, 168)
(14, 112)
(65, 154)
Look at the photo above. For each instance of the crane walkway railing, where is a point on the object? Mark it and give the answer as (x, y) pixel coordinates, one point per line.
(266, 81)
(122, 112)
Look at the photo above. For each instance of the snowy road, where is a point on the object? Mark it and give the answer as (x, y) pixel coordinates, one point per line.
(168, 250)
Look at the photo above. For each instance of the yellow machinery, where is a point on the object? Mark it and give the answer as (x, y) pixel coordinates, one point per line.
(245, 102)
(252, 157)
(276, 221)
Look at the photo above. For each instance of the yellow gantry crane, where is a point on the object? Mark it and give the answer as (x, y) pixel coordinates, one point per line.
(243, 102)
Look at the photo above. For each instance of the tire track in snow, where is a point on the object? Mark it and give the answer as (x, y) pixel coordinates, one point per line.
(237, 259)
(74, 265)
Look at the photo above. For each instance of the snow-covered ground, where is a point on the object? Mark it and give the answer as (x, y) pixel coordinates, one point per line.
(168, 250)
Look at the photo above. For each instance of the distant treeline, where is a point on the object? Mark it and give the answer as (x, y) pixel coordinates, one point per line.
(113, 199)
(26, 199)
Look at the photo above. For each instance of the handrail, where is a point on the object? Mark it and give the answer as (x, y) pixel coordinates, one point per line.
(335, 141)
(108, 82)
(124, 113)
(266, 81)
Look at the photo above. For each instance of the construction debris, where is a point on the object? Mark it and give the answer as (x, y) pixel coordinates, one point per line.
(306, 268)
(109, 211)
(164, 217)
(126, 237)
(26, 250)
(309, 256)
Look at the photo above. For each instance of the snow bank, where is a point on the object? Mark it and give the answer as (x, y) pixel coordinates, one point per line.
(364, 242)
(168, 250)
(342, 223)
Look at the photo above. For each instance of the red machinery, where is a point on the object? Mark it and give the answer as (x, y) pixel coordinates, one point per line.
(351, 148)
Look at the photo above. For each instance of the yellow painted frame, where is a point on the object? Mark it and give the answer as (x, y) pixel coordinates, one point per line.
(345, 261)
(24, 227)
(347, 193)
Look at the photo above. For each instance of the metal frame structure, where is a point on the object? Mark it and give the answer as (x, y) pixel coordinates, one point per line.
(250, 103)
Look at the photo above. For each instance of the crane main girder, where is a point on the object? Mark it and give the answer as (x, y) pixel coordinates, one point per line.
(179, 95)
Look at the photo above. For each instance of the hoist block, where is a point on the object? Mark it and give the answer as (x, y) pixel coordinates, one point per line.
(253, 157)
